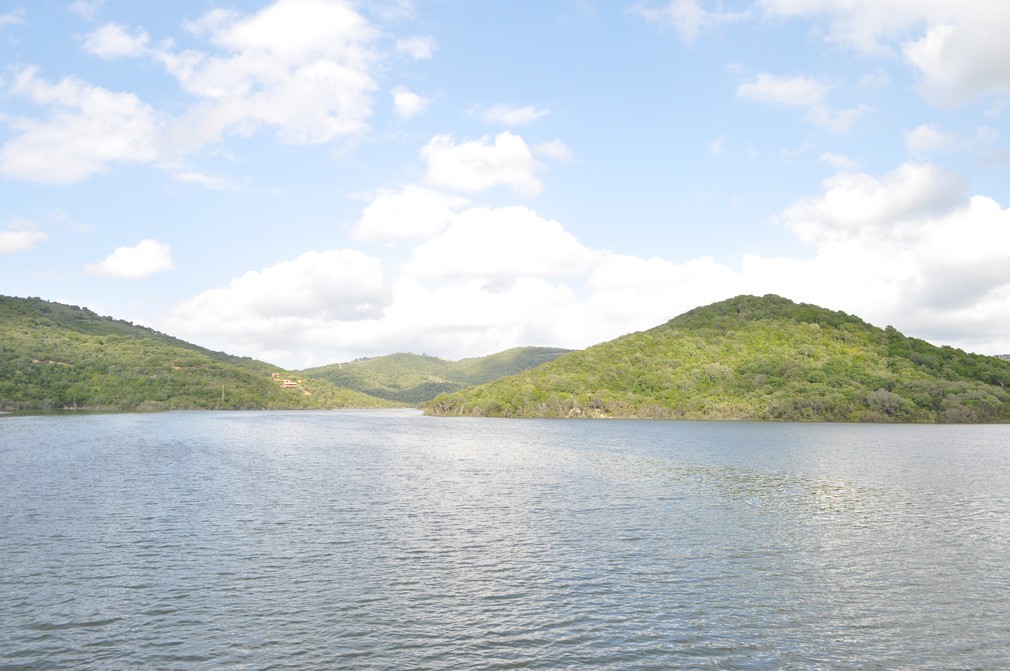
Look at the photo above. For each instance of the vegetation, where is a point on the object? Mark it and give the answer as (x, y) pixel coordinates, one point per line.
(761, 358)
(417, 378)
(745, 358)
(61, 356)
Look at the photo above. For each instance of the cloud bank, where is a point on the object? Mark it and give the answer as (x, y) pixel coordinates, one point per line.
(901, 247)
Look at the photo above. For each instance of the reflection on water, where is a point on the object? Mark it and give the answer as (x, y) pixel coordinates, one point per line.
(387, 540)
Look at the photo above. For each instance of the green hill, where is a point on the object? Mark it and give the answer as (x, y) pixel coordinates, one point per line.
(417, 378)
(754, 358)
(62, 356)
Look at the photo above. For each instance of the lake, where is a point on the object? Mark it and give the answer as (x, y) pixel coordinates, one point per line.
(390, 540)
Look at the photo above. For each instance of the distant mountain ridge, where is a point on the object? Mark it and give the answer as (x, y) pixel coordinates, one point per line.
(55, 356)
(756, 358)
(62, 356)
(418, 378)
(763, 358)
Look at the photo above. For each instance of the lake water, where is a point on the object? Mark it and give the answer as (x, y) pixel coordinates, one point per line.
(389, 540)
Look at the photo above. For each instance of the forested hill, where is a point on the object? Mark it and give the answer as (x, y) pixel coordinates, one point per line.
(61, 356)
(417, 378)
(763, 358)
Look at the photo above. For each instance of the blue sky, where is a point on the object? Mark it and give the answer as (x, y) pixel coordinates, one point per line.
(311, 181)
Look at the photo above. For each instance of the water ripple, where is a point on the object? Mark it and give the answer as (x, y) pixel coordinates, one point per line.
(244, 541)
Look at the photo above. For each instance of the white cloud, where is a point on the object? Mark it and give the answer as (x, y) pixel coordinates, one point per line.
(959, 48)
(458, 320)
(958, 270)
(325, 301)
(407, 104)
(792, 91)
(307, 320)
(85, 8)
(301, 67)
(840, 161)
(113, 41)
(391, 11)
(88, 128)
(410, 213)
(213, 182)
(716, 145)
(996, 109)
(418, 47)
(687, 17)
(859, 206)
(501, 243)
(471, 318)
(965, 58)
(850, 277)
(928, 138)
(803, 93)
(567, 295)
(340, 285)
(553, 149)
(638, 293)
(864, 25)
(931, 139)
(13, 241)
(877, 79)
(14, 18)
(509, 115)
(476, 165)
(907, 248)
(134, 263)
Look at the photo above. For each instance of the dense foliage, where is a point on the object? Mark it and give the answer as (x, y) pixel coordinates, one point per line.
(417, 378)
(754, 358)
(61, 356)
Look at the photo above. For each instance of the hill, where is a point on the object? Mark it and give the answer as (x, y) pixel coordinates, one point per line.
(61, 356)
(417, 378)
(763, 358)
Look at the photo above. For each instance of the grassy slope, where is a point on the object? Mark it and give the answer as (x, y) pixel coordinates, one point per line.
(55, 356)
(417, 378)
(754, 358)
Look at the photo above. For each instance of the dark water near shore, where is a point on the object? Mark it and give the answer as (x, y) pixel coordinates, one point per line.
(387, 540)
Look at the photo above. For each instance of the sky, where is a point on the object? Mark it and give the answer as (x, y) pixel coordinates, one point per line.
(313, 181)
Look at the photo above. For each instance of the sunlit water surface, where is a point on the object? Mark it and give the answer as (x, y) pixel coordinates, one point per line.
(388, 540)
